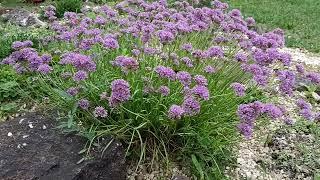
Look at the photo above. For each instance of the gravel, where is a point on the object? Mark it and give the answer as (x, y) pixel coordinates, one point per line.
(256, 158)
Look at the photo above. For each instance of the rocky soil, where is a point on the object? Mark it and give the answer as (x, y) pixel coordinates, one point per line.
(278, 151)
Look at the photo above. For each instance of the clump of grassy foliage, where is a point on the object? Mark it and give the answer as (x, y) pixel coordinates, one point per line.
(168, 83)
(67, 6)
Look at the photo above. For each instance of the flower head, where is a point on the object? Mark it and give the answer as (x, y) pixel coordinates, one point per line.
(83, 104)
(191, 106)
(120, 92)
(80, 76)
(164, 90)
(175, 112)
(165, 72)
(239, 89)
(201, 91)
(100, 112)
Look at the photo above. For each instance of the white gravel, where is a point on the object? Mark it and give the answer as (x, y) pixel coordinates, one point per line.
(250, 153)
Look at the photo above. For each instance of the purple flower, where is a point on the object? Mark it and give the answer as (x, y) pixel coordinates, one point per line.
(165, 72)
(287, 83)
(73, 91)
(149, 51)
(46, 58)
(86, 44)
(100, 20)
(250, 21)
(79, 61)
(306, 113)
(80, 76)
(110, 43)
(209, 69)
(20, 45)
(241, 57)
(219, 5)
(285, 58)
(215, 51)
(165, 36)
(83, 104)
(100, 112)
(300, 68)
(187, 61)
(302, 104)
(184, 78)
(126, 63)
(201, 91)
(246, 129)
(248, 113)
(175, 112)
(200, 80)
(191, 106)
(239, 89)
(313, 77)
(44, 69)
(120, 92)
(235, 12)
(187, 47)
(164, 90)
(272, 111)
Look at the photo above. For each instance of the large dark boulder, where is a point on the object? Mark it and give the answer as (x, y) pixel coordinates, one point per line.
(31, 147)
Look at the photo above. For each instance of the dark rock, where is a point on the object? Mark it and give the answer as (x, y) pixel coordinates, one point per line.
(32, 148)
(22, 17)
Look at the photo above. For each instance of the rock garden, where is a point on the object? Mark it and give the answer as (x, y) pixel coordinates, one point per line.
(151, 90)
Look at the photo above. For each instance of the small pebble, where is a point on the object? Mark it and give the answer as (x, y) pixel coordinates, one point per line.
(30, 125)
(25, 136)
(21, 120)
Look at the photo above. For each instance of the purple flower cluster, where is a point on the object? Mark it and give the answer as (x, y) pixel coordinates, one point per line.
(314, 77)
(287, 81)
(184, 77)
(249, 113)
(191, 106)
(120, 92)
(165, 72)
(50, 13)
(165, 36)
(20, 45)
(175, 112)
(239, 89)
(78, 61)
(126, 63)
(305, 109)
(26, 59)
(100, 112)
(83, 104)
(201, 91)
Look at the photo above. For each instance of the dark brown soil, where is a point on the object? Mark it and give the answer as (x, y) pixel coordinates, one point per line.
(32, 148)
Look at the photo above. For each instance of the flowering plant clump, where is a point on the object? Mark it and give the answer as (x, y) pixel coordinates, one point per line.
(163, 80)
